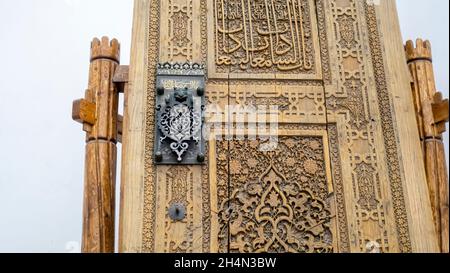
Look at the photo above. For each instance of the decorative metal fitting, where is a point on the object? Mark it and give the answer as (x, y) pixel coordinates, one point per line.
(177, 212)
(180, 114)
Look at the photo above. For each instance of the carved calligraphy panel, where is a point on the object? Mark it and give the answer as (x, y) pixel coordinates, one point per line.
(264, 37)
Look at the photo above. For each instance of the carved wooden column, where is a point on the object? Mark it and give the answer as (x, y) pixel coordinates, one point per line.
(98, 113)
(432, 116)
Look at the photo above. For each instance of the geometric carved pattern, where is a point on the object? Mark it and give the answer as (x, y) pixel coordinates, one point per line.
(180, 39)
(149, 210)
(350, 101)
(206, 206)
(297, 103)
(323, 37)
(366, 187)
(275, 201)
(180, 182)
(387, 124)
(338, 184)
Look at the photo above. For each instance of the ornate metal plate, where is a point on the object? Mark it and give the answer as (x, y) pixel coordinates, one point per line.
(180, 107)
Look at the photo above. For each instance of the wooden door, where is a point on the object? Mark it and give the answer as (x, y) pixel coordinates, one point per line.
(338, 172)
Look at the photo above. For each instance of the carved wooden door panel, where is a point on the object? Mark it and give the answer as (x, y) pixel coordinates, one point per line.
(316, 69)
(303, 153)
(271, 173)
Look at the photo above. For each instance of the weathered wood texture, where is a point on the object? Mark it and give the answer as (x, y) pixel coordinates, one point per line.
(133, 142)
(422, 232)
(432, 116)
(99, 197)
(98, 113)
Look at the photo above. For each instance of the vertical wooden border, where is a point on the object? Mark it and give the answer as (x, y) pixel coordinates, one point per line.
(422, 234)
(133, 168)
(214, 231)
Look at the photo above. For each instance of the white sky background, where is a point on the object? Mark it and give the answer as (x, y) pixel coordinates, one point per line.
(45, 59)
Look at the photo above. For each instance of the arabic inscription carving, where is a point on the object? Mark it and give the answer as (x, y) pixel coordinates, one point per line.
(264, 36)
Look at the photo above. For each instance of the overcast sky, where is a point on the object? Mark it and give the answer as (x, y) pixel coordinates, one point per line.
(45, 58)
